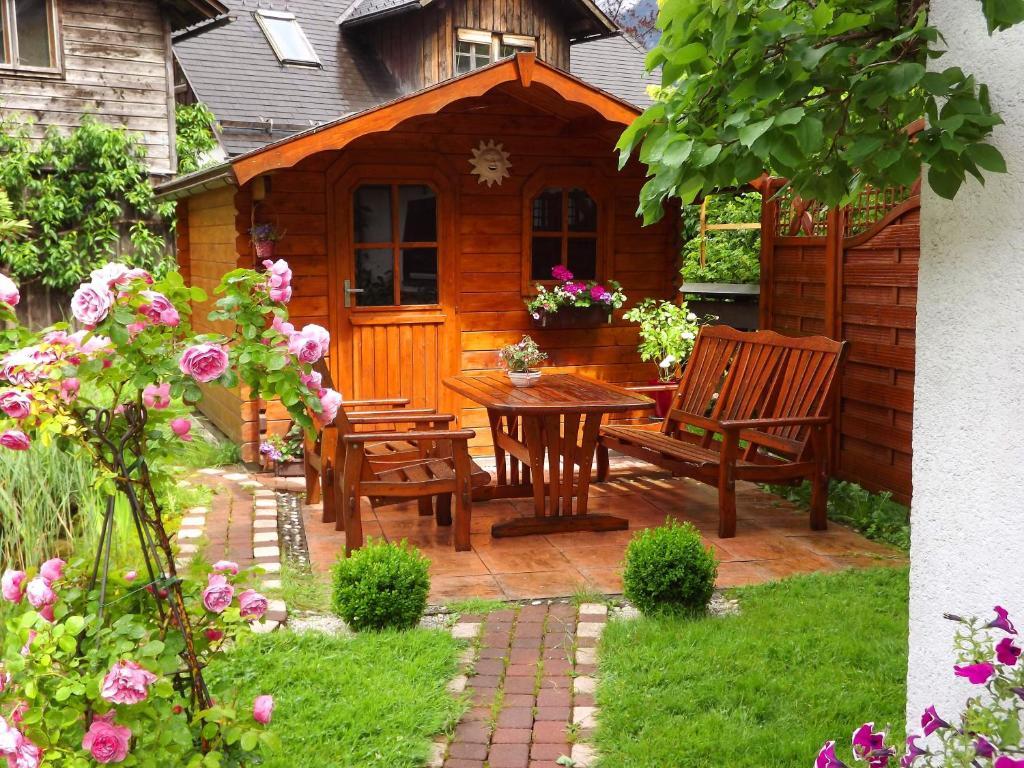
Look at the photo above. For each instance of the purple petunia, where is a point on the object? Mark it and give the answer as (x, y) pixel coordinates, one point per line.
(1007, 652)
(1002, 621)
(978, 674)
(827, 757)
(931, 722)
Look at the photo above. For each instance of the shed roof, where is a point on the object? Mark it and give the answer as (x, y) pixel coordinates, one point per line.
(186, 13)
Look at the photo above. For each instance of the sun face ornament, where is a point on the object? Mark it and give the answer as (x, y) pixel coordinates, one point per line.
(491, 163)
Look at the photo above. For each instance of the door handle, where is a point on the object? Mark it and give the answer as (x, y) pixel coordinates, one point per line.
(349, 290)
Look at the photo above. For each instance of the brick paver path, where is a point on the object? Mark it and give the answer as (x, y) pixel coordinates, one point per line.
(532, 675)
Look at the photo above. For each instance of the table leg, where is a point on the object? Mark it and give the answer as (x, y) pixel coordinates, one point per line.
(495, 420)
(591, 430)
(534, 434)
(553, 439)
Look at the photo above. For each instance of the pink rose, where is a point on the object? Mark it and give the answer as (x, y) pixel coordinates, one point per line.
(40, 593)
(253, 604)
(283, 327)
(15, 403)
(134, 329)
(159, 309)
(53, 569)
(157, 396)
(108, 743)
(10, 738)
(204, 362)
(15, 439)
(91, 303)
(27, 755)
(226, 566)
(263, 709)
(8, 291)
(313, 381)
(12, 586)
(182, 428)
(5, 679)
(26, 649)
(69, 389)
(47, 613)
(310, 344)
(127, 683)
(109, 275)
(279, 280)
(18, 715)
(218, 593)
(131, 576)
(213, 635)
(330, 402)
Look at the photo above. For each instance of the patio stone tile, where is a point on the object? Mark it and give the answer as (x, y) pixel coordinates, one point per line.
(549, 732)
(467, 750)
(740, 574)
(448, 562)
(781, 569)
(747, 545)
(444, 588)
(869, 561)
(595, 557)
(569, 542)
(842, 543)
(520, 555)
(472, 732)
(515, 717)
(511, 735)
(460, 763)
(549, 751)
(608, 581)
(509, 756)
(583, 756)
(547, 583)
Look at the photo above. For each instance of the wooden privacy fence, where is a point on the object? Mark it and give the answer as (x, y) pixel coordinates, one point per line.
(851, 273)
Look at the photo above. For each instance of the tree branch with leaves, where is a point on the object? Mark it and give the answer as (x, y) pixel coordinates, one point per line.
(820, 92)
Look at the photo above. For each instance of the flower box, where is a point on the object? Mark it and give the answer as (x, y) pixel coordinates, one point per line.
(573, 317)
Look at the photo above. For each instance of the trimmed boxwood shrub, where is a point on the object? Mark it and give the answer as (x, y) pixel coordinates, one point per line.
(669, 569)
(382, 586)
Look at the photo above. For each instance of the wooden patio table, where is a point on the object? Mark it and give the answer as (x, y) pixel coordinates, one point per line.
(559, 417)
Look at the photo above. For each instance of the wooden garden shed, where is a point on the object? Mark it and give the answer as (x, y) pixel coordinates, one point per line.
(416, 263)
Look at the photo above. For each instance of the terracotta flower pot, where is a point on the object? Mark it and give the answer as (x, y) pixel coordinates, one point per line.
(264, 249)
(524, 378)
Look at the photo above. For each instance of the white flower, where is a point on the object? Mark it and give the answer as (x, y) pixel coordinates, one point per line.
(688, 335)
(691, 317)
(667, 361)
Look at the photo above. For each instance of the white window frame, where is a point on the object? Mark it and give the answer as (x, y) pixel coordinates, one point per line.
(263, 13)
(9, 42)
(496, 40)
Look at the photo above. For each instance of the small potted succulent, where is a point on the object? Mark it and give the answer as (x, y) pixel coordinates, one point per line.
(573, 303)
(667, 334)
(520, 359)
(264, 236)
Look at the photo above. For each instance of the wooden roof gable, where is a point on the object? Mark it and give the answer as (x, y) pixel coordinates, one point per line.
(524, 69)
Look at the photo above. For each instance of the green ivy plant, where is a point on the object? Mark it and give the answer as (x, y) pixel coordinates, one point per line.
(816, 91)
(195, 136)
(80, 192)
(730, 255)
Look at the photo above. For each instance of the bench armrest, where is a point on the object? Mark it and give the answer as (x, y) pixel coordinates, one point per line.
(397, 417)
(461, 435)
(666, 387)
(394, 402)
(782, 421)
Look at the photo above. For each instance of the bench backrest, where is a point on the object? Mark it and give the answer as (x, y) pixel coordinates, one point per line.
(739, 375)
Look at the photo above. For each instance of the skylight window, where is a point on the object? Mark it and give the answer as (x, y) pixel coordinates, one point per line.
(290, 44)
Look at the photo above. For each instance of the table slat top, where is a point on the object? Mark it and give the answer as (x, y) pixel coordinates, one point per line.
(553, 393)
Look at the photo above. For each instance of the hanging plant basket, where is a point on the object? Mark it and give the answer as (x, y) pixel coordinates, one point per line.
(264, 249)
(573, 317)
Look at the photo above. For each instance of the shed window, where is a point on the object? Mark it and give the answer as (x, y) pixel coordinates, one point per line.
(564, 232)
(475, 48)
(290, 44)
(395, 240)
(28, 34)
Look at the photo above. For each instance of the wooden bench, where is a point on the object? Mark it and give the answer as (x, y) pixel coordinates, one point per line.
(751, 406)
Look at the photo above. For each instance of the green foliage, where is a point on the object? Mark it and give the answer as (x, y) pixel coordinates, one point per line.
(382, 586)
(667, 334)
(875, 515)
(373, 700)
(195, 136)
(79, 192)
(731, 255)
(817, 92)
(11, 228)
(669, 569)
(805, 659)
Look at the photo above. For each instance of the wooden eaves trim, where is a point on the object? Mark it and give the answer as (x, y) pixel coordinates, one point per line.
(524, 69)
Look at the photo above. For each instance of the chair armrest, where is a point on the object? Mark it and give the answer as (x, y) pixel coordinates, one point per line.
(782, 421)
(461, 435)
(394, 402)
(398, 417)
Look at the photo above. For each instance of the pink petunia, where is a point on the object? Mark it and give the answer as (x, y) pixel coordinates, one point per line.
(827, 757)
(978, 674)
(931, 722)
(1006, 652)
(1002, 621)
(869, 745)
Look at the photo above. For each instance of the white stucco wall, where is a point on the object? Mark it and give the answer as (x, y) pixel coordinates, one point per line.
(967, 548)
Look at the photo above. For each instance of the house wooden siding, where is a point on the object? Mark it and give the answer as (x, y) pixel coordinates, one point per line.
(418, 48)
(115, 56)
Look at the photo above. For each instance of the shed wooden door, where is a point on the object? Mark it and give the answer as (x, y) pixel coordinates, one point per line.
(392, 293)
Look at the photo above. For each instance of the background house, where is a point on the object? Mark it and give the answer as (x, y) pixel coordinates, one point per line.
(60, 59)
(417, 267)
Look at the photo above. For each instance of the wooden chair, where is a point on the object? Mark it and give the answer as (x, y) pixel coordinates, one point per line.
(443, 469)
(751, 406)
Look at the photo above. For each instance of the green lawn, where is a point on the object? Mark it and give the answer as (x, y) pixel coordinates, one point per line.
(808, 659)
(369, 700)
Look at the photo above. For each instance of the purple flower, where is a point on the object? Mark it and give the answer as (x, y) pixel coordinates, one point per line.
(1007, 652)
(1008, 762)
(983, 747)
(575, 288)
(913, 751)
(226, 566)
(978, 674)
(1002, 621)
(869, 745)
(597, 292)
(561, 273)
(931, 722)
(827, 757)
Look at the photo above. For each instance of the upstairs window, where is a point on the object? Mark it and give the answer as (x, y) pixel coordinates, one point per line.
(475, 48)
(395, 239)
(28, 35)
(564, 232)
(290, 44)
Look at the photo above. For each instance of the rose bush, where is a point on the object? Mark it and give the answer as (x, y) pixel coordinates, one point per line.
(988, 733)
(111, 672)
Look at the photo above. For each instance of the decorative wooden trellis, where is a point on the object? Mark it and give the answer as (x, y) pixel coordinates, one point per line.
(705, 228)
(851, 273)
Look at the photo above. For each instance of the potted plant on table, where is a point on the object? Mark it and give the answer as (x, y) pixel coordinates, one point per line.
(264, 236)
(573, 303)
(519, 359)
(667, 334)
